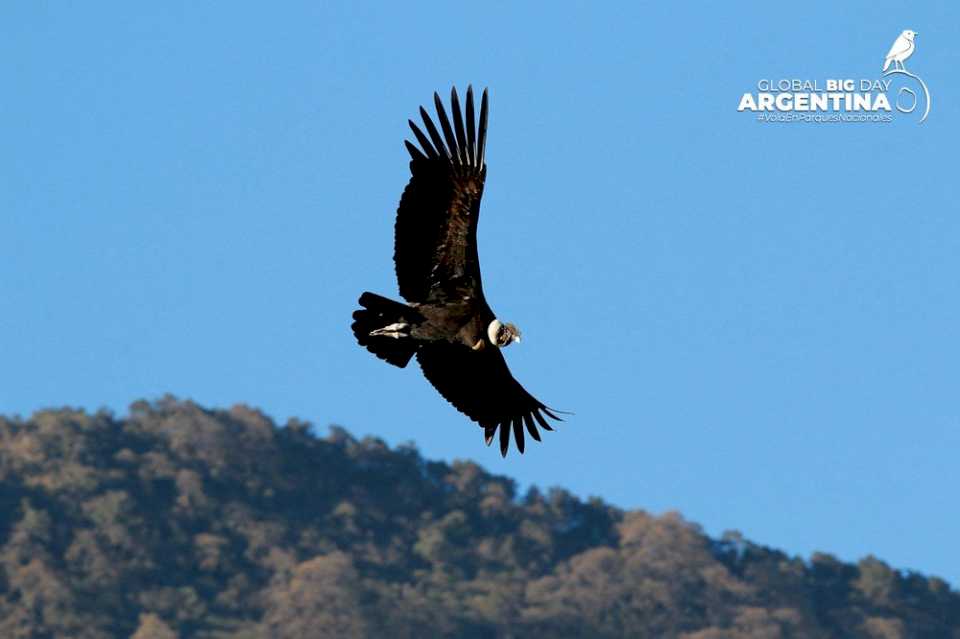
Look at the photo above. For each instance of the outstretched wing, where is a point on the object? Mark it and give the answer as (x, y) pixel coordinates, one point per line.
(435, 243)
(479, 385)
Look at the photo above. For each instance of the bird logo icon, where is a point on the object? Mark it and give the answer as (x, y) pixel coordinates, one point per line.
(903, 47)
(893, 67)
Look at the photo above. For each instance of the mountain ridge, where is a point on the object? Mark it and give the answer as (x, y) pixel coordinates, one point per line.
(182, 521)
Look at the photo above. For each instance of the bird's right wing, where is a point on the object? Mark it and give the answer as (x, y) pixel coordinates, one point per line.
(900, 45)
(479, 385)
(435, 241)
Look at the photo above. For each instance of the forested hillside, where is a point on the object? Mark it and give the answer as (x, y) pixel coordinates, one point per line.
(178, 521)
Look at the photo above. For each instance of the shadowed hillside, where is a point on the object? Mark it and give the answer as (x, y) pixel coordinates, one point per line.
(183, 522)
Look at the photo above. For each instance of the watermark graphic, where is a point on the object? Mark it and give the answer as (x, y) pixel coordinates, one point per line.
(903, 47)
(845, 99)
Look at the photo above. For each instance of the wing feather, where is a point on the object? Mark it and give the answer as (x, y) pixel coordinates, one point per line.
(482, 130)
(424, 142)
(458, 126)
(517, 433)
(479, 385)
(528, 421)
(447, 131)
(434, 135)
(504, 437)
(414, 152)
(543, 422)
(471, 128)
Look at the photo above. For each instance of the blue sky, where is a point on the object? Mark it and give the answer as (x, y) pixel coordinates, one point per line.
(755, 324)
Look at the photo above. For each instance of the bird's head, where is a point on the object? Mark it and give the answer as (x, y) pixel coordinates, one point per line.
(502, 334)
(909, 35)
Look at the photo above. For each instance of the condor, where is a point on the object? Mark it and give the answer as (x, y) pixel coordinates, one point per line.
(447, 322)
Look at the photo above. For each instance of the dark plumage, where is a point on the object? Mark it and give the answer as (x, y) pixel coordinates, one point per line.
(448, 324)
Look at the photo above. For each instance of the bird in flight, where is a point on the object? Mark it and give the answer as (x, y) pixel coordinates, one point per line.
(447, 322)
(902, 49)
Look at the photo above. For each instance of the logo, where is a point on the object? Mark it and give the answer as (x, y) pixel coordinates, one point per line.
(839, 100)
(903, 47)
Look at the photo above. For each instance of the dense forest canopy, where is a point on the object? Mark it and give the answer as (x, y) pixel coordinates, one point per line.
(178, 521)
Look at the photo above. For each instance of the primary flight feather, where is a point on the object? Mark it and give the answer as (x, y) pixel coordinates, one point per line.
(447, 322)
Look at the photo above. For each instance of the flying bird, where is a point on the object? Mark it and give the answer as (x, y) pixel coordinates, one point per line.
(902, 49)
(446, 321)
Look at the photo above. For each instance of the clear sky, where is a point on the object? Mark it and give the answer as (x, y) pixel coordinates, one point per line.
(755, 324)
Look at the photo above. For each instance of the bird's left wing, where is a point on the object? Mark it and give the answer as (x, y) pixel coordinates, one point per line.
(435, 242)
(479, 385)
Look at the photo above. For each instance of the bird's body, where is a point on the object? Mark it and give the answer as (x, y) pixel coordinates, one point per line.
(447, 322)
(903, 47)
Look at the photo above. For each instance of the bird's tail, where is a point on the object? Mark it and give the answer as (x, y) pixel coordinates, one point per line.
(887, 63)
(383, 327)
